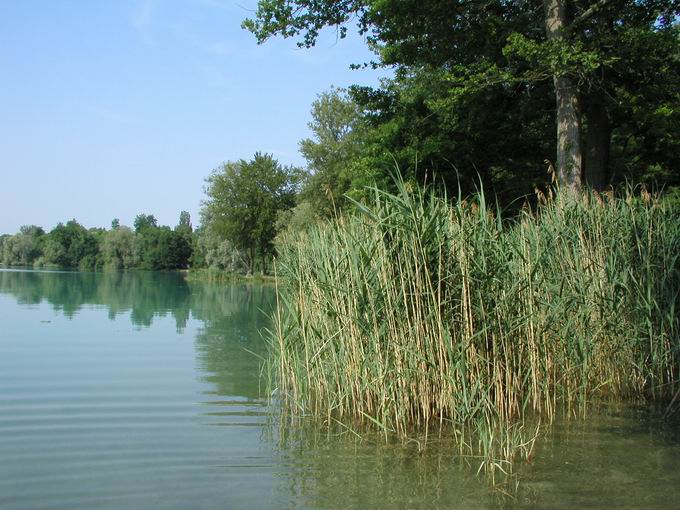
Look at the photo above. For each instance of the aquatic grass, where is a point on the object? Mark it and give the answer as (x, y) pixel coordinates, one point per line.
(417, 312)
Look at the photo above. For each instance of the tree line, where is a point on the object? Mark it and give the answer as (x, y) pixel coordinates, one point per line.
(71, 245)
(494, 94)
(253, 205)
(240, 220)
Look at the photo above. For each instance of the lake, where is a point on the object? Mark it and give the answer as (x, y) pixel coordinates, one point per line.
(142, 390)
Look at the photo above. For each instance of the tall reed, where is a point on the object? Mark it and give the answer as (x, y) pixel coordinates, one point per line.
(417, 311)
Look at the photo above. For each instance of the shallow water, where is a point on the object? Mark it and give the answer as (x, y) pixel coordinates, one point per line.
(141, 390)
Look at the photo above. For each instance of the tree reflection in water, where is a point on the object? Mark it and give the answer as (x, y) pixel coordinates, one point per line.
(229, 345)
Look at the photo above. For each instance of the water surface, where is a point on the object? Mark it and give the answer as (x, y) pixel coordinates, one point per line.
(140, 390)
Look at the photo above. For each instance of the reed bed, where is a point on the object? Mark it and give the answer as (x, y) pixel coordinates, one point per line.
(417, 312)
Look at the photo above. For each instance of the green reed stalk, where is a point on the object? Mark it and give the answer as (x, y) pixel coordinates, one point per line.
(415, 312)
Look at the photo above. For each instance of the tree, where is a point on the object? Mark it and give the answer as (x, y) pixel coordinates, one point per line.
(184, 242)
(215, 252)
(435, 133)
(184, 225)
(3, 239)
(71, 245)
(498, 51)
(334, 117)
(569, 151)
(144, 222)
(293, 221)
(172, 250)
(118, 248)
(243, 201)
(160, 247)
(23, 248)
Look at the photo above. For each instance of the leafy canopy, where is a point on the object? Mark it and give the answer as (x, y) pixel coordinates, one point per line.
(473, 88)
(244, 199)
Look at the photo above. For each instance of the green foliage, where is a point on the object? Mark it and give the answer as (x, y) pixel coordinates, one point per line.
(333, 146)
(472, 96)
(23, 248)
(412, 312)
(298, 219)
(646, 142)
(454, 135)
(184, 244)
(71, 246)
(162, 248)
(302, 16)
(215, 252)
(145, 222)
(184, 226)
(119, 249)
(244, 199)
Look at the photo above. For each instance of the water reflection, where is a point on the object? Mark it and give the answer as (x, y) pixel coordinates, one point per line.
(238, 313)
(332, 469)
(169, 414)
(229, 345)
(157, 407)
(145, 295)
(619, 457)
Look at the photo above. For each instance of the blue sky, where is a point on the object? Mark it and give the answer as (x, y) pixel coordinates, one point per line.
(110, 108)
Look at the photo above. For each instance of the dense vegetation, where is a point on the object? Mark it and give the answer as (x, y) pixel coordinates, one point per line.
(413, 302)
(239, 217)
(414, 312)
(407, 309)
(476, 93)
(239, 225)
(71, 245)
(480, 87)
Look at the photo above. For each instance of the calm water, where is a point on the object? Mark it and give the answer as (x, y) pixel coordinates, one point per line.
(136, 391)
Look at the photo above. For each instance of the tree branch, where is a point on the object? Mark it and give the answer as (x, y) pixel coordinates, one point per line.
(590, 11)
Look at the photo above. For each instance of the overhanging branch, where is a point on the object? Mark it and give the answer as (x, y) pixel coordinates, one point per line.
(590, 11)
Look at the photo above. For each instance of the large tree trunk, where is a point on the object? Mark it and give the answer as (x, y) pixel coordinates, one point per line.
(598, 139)
(569, 152)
